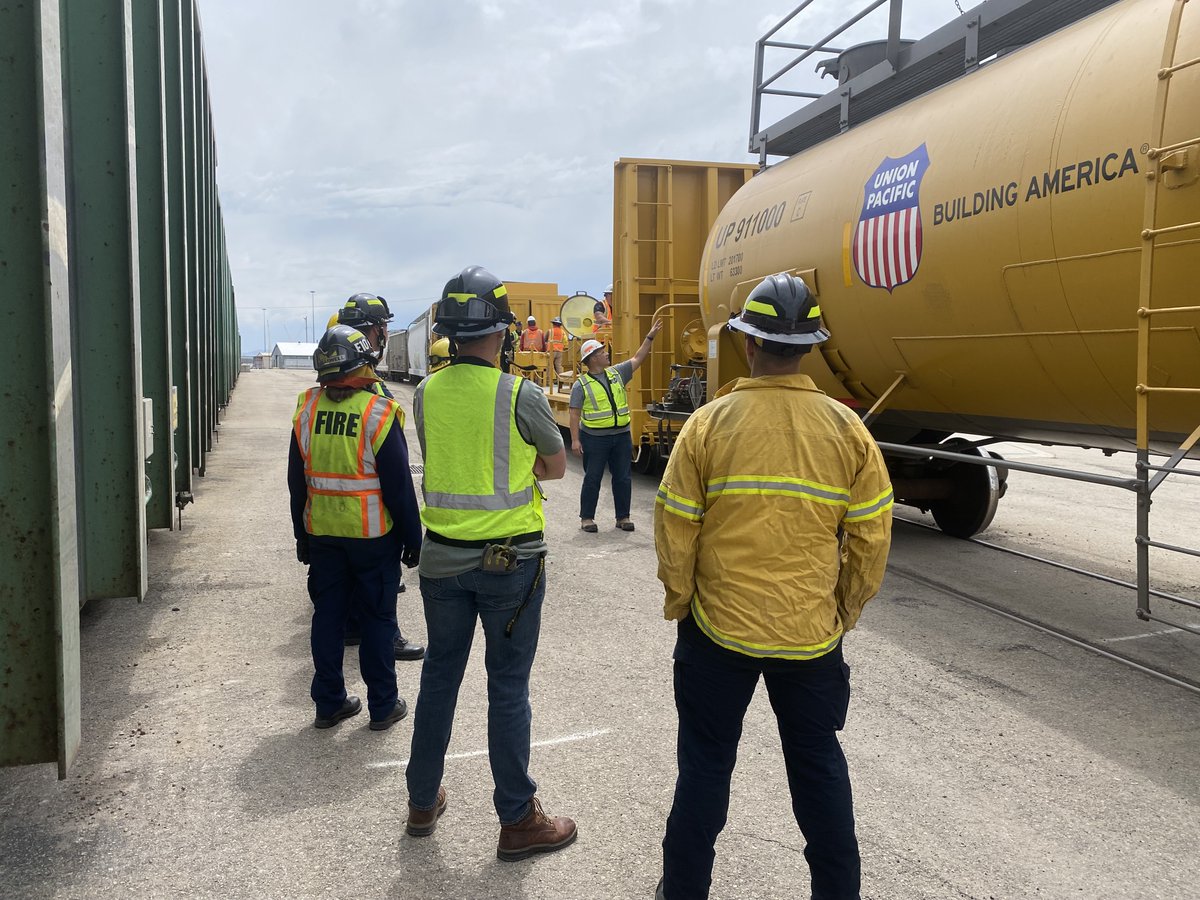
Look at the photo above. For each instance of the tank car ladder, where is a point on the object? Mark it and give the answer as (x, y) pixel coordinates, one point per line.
(1149, 477)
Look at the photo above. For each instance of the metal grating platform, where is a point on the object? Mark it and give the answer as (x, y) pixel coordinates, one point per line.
(950, 52)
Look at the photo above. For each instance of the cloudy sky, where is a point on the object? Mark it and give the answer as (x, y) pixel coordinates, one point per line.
(383, 145)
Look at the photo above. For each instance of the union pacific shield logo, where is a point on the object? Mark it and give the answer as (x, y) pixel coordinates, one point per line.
(887, 242)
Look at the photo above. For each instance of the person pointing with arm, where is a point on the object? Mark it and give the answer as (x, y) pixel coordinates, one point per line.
(599, 421)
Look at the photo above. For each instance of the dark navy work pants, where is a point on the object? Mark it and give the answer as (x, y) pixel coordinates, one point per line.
(713, 688)
(359, 574)
(606, 451)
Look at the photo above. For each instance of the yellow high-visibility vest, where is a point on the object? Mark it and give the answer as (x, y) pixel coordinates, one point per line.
(597, 412)
(478, 482)
(378, 388)
(338, 442)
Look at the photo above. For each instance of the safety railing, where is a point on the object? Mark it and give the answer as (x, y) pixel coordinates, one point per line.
(1164, 158)
(762, 86)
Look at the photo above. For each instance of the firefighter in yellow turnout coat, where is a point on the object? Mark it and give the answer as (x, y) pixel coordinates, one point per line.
(772, 525)
(355, 517)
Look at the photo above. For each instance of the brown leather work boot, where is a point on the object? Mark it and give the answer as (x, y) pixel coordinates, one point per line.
(421, 822)
(536, 833)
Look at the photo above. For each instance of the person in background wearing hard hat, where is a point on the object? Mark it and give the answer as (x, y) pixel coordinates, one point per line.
(533, 338)
(599, 417)
(602, 311)
(487, 438)
(557, 344)
(772, 527)
(508, 349)
(369, 314)
(355, 518)
(441, 354)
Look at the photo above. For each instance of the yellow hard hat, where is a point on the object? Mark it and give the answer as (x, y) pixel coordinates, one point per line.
(439, 354)
(333, 320)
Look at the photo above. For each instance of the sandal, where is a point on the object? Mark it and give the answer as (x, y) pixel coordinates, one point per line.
(625, 525)
(589, 527)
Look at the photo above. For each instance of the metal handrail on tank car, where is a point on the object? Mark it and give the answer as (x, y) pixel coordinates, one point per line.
(1159, 156)
(980, 33)
(1059, 633)
(762, 87)
(1135, 485)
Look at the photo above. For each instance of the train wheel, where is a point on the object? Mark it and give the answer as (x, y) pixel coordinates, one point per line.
(646, 460)
(973, 499)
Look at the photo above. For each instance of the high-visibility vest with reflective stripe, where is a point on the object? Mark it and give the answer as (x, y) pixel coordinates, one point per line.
(380, 388)
(478, 482)
(558, 338)
(338, 442)
(597, 412)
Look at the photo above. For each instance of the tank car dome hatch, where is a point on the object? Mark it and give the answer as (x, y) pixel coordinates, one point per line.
(859, 58)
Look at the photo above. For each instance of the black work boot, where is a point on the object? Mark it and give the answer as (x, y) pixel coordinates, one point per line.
(406, 649)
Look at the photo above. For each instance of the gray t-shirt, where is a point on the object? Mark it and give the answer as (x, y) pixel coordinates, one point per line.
(536, 424)
(625, 373)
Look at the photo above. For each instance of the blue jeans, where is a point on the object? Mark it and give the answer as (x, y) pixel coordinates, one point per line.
(713, 688)
(358, 574)
(600, 452)
(452, 606)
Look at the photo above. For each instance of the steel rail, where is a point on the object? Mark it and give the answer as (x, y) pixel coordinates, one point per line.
(1061, 634)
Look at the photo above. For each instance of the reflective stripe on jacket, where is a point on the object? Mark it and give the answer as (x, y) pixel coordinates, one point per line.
(478, 480)
(558, 337)
(338, 442)
(597, 412)
(773, 519)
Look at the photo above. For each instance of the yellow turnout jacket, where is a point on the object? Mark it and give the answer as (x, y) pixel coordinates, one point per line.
(773, 519)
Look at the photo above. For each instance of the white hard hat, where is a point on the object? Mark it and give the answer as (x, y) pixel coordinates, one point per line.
(589, 347)
(608, 290)
(531, 319)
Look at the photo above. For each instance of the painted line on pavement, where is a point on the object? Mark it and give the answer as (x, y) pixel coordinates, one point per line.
(1138, 637)
(566, 739)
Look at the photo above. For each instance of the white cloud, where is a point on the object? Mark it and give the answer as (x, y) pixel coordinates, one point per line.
(382, 145)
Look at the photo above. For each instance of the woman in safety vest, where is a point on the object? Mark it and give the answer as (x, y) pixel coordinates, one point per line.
(355, 518)
(369, 314)
(600, 427)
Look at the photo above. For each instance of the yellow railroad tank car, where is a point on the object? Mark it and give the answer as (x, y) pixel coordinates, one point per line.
(977, 251)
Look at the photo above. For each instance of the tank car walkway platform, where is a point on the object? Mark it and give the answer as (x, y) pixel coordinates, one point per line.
(989, 760)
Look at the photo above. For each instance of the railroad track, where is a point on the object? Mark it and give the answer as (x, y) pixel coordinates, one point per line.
(1062, 634)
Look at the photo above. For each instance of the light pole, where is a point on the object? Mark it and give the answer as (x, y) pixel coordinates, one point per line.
(306, 329)
(313, 297)
(263, 309)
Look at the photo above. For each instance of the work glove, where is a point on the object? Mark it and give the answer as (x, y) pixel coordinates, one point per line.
(302, 551)
(411, 556)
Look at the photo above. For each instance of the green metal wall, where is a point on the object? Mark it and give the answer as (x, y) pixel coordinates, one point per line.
(114, 287)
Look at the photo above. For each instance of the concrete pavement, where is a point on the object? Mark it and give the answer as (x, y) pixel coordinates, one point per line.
(989, 760)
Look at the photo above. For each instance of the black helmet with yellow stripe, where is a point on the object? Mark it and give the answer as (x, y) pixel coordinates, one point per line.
(341, 350)
(474, 303)
(365, 309)
(782, 310)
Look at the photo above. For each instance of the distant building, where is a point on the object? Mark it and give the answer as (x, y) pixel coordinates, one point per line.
(262, 361)
(293, 356)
